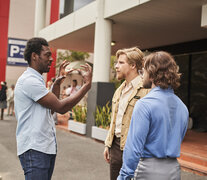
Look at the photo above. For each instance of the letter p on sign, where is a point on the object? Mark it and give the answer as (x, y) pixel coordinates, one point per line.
(14, 50)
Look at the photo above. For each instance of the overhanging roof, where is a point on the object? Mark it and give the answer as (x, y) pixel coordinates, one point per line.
(152, 24)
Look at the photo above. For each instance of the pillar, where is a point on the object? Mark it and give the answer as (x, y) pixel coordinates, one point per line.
(101, 91)
(102, 45)
(40, 16)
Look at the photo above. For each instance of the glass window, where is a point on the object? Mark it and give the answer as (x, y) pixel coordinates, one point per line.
(183, 63)
(198, 96)
(81, 3)
(61, 7)
(69, 6)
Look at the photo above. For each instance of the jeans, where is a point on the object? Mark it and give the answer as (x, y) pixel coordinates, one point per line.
(37, 165)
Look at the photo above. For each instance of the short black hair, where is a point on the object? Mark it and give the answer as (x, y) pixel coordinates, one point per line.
(34, 45)
(75, 81)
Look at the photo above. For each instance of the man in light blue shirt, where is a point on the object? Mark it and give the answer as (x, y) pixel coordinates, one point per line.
(34, 105)
(158, 125)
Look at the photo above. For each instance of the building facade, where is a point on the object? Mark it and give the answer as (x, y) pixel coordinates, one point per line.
(18, 28)
(17, 20)
(179, 27)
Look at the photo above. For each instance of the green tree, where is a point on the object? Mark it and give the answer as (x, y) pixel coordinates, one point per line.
(71, 56)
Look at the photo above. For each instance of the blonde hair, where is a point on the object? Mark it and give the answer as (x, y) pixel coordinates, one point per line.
(134, 56)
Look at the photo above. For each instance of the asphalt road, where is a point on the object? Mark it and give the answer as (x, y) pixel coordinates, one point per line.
(78, 157)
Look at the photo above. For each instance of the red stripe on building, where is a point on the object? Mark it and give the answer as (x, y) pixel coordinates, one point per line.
(54, 13)
(52, 71)
(54, 16)
(4, 22)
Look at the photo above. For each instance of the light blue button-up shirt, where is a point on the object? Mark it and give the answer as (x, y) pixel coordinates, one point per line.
(158, 125)
(35, 124)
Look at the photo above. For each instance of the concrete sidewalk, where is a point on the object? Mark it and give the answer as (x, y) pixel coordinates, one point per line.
(78, 157)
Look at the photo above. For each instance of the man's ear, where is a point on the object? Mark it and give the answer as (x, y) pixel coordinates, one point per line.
(133, 66)
(33, 56)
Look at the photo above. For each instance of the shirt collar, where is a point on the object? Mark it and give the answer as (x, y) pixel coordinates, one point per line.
(33, 71)
(136, 81)
(158, 88)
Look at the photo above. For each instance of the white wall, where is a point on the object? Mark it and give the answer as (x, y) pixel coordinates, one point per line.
(13, 73)
(48, 9)
(113, 7)
(21, 19)
(21, 26)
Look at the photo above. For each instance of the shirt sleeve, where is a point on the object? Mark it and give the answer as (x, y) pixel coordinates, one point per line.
(139, 128)
(34, 88)
(185, 124)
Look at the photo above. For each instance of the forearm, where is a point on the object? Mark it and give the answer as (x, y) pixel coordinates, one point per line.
(69, 102)
(51, 100)
(56, 89)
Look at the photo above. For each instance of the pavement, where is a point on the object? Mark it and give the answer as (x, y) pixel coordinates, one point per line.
(78, 157)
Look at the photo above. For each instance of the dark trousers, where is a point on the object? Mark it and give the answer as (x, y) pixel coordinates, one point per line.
(115, 158)
(37, 165)
(2, 114)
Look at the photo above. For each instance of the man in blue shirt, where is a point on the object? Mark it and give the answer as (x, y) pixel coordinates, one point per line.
(34, 105)
(158, 125)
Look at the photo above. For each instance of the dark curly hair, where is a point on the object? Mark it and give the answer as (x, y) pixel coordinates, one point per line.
(162, 69)
(34, 45)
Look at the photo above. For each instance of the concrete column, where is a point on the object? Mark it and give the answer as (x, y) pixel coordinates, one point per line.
(99, 95)
(40, 16)
(102, 45)
(101, 91)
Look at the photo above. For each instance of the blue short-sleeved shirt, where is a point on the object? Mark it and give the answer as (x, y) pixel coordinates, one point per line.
(35, 126)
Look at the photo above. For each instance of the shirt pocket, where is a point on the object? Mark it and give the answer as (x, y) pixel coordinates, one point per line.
(130, 107)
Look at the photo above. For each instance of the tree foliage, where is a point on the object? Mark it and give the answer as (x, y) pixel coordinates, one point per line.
(71, 56)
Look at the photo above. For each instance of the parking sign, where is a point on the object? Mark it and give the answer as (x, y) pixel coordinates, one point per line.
(16, 52)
